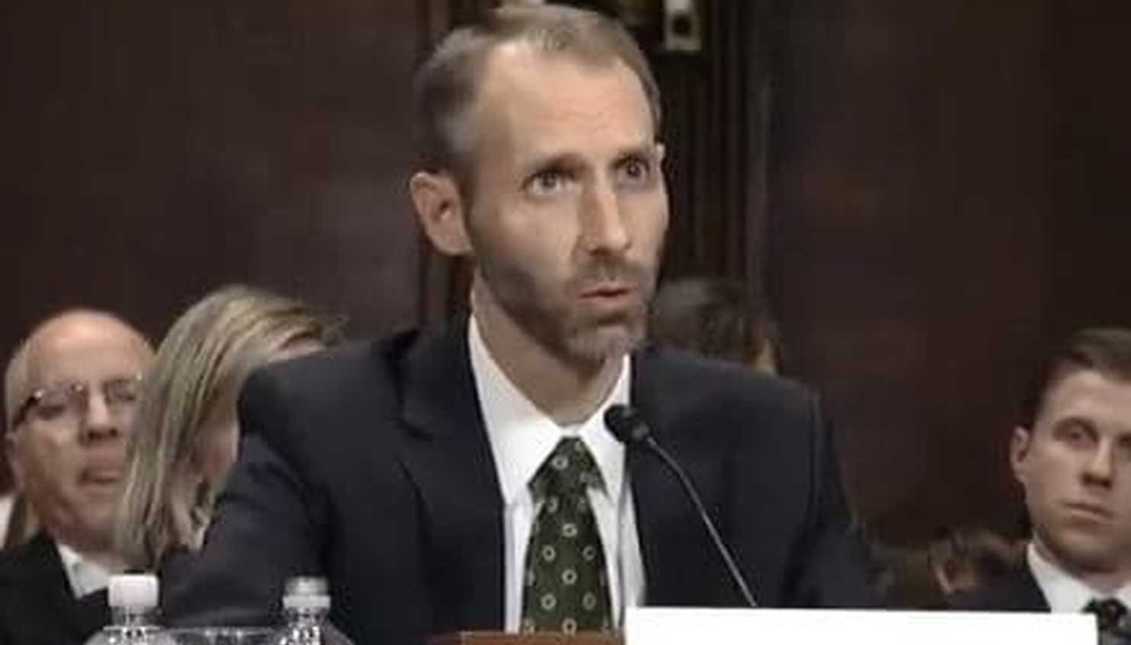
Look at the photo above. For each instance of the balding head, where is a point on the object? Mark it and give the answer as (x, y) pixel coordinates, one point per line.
(18, 376)
(69, 393)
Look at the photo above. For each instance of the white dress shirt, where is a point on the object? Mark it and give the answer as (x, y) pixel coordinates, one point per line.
(1064, 593)
(521, 438)
(84, 576)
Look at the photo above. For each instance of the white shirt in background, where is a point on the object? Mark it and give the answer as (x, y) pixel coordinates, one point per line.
(1064, 593)
(84, 576)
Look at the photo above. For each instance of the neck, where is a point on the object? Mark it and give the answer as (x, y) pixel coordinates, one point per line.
(566, 391)
(102, 556)
(97, 549)
(1103, 580)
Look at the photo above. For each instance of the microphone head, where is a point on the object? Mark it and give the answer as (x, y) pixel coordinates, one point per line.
(626, 425)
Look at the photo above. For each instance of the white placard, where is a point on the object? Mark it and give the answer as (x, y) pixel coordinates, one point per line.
(662, 626)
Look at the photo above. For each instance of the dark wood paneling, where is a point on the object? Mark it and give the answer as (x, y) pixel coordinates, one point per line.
(1091, 138)
(155, 150)
(910, 201)
(716, 105)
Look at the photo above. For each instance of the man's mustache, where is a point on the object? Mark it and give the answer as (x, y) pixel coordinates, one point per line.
(616, 271)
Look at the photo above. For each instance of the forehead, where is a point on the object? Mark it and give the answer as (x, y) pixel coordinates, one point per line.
(546, 100)
(1089, 394)
(84, 348)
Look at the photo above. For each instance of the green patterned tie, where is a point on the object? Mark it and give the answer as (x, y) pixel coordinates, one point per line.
(565, 588)
(1110, 617)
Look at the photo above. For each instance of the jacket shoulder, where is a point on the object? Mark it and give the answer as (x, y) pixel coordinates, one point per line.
(679, 384)
(32, 559)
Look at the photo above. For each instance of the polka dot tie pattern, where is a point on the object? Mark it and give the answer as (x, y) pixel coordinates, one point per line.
(565, 587)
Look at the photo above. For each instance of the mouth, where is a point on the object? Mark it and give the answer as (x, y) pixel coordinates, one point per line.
(608, 291)
(101, 476)
(1089, 510)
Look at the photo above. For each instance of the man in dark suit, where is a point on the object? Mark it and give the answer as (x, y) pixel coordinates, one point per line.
(70, 393)
(1072, 456)
(37, 603)
(465, 479)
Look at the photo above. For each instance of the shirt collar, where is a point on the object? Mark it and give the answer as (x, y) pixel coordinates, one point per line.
(522, 436)
(1064, 592)
(84, 576)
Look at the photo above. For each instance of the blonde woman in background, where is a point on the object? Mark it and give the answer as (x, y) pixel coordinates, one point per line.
(186, 432)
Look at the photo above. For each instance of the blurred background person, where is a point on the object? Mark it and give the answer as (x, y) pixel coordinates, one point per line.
(18, 522)
(718, 318)
(71, 391)
(187, 434)
(957, 561)
(965, 559)
(1072, 456)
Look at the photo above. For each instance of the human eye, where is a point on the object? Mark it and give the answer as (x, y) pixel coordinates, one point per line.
(122, 391)
(51, 404)
(548, 182)
(635, 170)
(1123, 446)
(1076, 435)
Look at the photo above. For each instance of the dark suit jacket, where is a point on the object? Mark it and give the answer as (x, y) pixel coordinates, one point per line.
(371, 465)
(36, 603)
(1015, 591)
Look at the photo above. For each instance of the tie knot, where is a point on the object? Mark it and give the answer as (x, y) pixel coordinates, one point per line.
(1109, 613)
(570, 468)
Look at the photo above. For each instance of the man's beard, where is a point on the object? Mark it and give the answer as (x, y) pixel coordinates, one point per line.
(560, 323)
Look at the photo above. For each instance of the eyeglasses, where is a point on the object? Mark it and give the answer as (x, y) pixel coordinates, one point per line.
(72, 400)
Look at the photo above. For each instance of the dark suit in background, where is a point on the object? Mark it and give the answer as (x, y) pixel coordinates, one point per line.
(1016, 591)
(37, 606)
(371, 464)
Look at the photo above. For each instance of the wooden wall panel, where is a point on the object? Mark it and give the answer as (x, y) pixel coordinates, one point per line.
(1091, 138)
(910, 201)
(154, 151)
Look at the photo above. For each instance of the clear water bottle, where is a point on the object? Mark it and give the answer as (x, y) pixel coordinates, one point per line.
(306, 604)
(133, 613)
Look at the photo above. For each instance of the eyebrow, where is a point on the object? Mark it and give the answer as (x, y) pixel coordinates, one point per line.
(1075, 421)
(646, 150)
(571, 159)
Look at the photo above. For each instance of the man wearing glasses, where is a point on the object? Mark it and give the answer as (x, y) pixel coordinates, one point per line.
(71, 390)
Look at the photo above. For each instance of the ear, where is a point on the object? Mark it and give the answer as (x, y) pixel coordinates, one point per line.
(441, 211)
(11, 453)
(661, 152)
(1019, 446)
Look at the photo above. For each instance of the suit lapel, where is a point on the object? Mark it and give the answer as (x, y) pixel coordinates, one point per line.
(449, 459)
(43, 577)
(1028, 592)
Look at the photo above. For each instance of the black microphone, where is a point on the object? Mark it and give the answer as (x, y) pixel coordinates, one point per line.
(631, 430)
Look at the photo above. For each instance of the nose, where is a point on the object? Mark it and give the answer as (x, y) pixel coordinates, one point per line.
(1100, 468)
(99, 422)
(603, 225)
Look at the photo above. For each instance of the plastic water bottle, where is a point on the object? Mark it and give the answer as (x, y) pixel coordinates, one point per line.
(133, 613)
(306, 604)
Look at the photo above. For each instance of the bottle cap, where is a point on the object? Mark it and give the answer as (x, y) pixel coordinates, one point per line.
(306, 586)
(306, 592)
(135, 590)
(306, 602)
